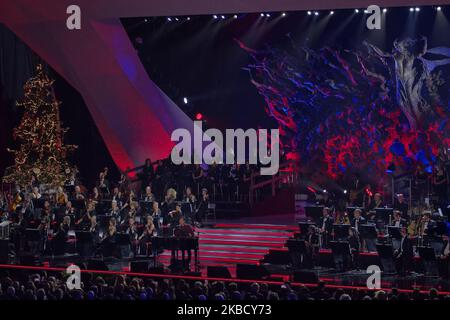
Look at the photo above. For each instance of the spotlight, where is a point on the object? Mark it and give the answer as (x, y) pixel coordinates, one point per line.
(331, 12)
(316, 13)
(384, 10)
(356, 11)
(146, 20)
(223, 17)
(215, 16)
(169, 19)
(438, 8)
(176, 19)
(309, 13)
(199, 116)
(365, 11)
(235, 16)
(283, 14)
(411, 9)
(417, 9)
(262, 14)
(268, 15)
(345, 191)
(324, 190)
(188, 18)
(185, 100)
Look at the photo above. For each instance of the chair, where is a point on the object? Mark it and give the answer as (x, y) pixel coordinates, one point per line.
(211, 212)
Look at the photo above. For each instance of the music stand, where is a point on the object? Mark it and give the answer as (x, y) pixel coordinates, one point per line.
(394, 232)
(385, 252)
(341, 231)
(429, 260)
(85, 243)
(314, 212)
(383, 214)
(341, 254)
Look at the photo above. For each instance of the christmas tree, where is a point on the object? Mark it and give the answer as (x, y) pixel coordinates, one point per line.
(42, 152)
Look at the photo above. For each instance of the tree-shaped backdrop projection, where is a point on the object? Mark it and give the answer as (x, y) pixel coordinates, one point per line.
(42, 152)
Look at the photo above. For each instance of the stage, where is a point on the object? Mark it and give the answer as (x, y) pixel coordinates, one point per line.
(230, 250)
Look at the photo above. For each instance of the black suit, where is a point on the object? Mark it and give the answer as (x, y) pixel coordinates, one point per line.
(327, 225)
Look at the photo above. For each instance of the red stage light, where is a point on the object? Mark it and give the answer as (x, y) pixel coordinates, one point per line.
(199, 116)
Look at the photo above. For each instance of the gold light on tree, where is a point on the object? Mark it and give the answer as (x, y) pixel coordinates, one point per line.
(42, 152)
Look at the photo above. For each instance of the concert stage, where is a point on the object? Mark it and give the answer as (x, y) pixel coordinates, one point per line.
(259, 251)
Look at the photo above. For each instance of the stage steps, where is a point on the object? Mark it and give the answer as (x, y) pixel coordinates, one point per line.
(228, 244)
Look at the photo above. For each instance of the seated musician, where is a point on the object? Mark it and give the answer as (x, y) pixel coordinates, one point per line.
(175, 216)
(444, 257)
(84, 220)
(401, 206)
(398, 221)
(156, 215)
(130, 212)
(117, 196)
(326, 226)
(130, 229)
(341, 218)
(61, 197)
(182, 231)
(108, 240)
(114, 211)
(148, 196)
(60, 239)
(78, 195)
(357, 219)
(376, 202)
(405, 254)
(146, 236)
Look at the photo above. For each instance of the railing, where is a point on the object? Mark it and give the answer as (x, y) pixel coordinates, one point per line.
(287, 173)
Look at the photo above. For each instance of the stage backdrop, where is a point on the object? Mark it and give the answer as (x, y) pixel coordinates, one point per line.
(347, 100)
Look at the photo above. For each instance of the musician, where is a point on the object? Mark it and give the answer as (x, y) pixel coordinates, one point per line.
(376, 202)
(402, 206)
(405, 254)
(96, 196)
(146, 235)
(168, 205)
(341, 218)
(94, 229)
(61, 197)
(35, 194)
(357, 219)
(175, 216)
(398, 221)
(117, 196)
(84, 220)
(148, 196)
(156, 215)
(78, 195)
(114, 211)
(354, 243)
(190, 198)
(59, 242)
(148, 173)
(444, 257)
(183, 231)
(426, 225)
(107, 244)
(311, 241)
(202, 207)
(103, 183)
(326, 226)
(132, 212)
(130, 229)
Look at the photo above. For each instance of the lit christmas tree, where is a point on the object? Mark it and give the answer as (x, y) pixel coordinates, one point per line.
(42, 152)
